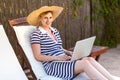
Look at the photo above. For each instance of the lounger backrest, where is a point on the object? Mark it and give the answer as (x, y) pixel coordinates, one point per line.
(23, 34)
(10, 68)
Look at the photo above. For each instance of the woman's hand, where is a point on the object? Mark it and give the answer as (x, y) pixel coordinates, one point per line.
(67, 51)
(70, 52)
(63, 58)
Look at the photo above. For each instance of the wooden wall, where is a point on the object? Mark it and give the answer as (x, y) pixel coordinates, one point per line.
(74, 23)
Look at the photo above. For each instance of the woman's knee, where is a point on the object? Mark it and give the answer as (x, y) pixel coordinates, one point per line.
(89, 58)
(82, 63)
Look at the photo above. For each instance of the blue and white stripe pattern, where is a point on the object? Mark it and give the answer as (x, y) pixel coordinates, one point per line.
(52, 48)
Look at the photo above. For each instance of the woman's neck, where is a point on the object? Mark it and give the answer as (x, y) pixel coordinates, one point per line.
(47, 28)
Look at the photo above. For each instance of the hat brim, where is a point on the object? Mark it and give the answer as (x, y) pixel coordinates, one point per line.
(33, 17)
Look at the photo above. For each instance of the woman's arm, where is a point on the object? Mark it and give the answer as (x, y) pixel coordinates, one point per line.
(40, 57)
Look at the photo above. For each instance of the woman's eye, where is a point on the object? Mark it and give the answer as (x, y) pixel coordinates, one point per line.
(50, 17)
(45, 17)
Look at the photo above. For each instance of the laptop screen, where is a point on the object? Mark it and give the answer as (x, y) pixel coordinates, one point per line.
(83, 48)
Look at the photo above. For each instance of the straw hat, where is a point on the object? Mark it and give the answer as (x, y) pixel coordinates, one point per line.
(33, 17)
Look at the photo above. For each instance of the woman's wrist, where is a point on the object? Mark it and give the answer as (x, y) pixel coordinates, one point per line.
(70, 52)
(55, 58)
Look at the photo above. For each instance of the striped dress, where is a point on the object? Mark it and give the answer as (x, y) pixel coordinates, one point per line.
(53, 48)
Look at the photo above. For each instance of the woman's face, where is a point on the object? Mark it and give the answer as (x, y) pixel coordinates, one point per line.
(46, 19)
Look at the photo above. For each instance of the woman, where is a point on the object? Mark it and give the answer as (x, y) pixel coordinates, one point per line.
(47, 48)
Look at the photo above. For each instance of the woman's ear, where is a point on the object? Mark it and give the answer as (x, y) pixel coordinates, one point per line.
(40, 18)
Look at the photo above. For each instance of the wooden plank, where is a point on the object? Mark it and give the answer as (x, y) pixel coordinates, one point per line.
(25, 62)
(98, 50)
(18, 21)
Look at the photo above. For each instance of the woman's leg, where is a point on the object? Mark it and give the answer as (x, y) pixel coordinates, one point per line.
(100, 68)
(85, 66)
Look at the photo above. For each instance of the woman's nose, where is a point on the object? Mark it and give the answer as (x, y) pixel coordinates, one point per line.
(48, 19)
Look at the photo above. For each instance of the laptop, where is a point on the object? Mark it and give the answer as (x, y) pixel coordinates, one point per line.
(82, 48)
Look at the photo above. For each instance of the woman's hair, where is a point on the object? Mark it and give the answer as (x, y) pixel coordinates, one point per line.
(44, 13)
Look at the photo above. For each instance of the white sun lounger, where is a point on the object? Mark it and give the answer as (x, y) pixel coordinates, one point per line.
(23, 35)
(10, 68)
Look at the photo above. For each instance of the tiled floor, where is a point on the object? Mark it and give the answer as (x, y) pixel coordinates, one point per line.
(111, 61)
